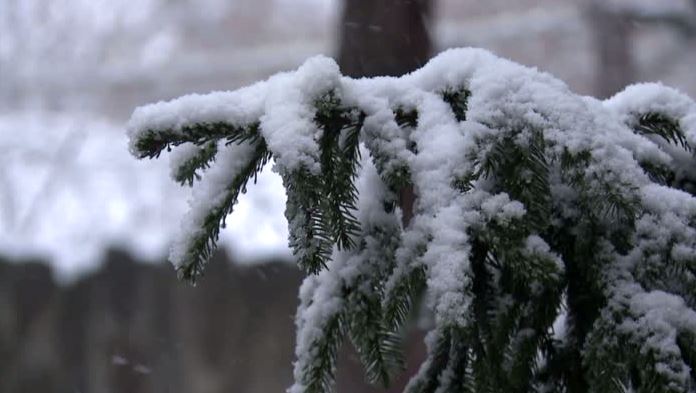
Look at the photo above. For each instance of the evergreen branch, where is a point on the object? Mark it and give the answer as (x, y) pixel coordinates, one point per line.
(581, 251)
(606, 205)
(617, 360)
(659, 270)
(187, 171)
(512, 323)
(439, 349)
(660, 174)
(457, 377)
(629, 281)
(465, 182)
(660, 125)
(152, 142)
(516, 299)
(643, 334)
(320, 208)
(612, 203)
(201, 245)
(406, 118)
(533, 328)
(485, 304)
(398, 302)
(339, 158)
(377, 344)
(319, 372)
(686, 341)
(458, 101)
(310, 234)
(523, 173)
(394, 171)
(378, 347)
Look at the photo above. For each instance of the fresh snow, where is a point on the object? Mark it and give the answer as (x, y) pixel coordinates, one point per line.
(505, 96)
(507, 100)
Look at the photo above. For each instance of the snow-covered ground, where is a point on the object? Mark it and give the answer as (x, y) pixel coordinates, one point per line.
(69, 190)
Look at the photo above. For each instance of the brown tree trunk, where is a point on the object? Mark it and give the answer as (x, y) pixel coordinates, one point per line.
(384, 37)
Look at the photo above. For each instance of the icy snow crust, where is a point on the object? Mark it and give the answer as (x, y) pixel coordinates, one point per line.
(506, 100)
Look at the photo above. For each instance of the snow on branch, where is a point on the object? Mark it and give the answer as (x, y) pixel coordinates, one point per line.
(529, 199)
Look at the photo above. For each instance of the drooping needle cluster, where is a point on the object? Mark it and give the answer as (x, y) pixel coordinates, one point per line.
(553, 237)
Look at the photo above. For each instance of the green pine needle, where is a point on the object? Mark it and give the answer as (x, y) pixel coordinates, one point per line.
(664, 127)
(187, 172)
(202, 245)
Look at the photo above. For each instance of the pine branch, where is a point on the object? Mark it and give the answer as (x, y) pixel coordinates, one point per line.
(512, 314)
(657, 124)
(439, 347)
(340, 155)
(458, 376)
(398, 302)
(686, 341)
(377, 343)
(319, 373)
(320, 208)
(406, 118)
(200, 245)
(530, 183)
(150, 143)
(484, 305)
(617, 358)
(660, 174)
(522, 171)
(378, 347)
(187, 171)
(458, 101)
(533, 328)
(660, 270)
(393, 169)
(310, 233)
(660, 125)
(580, 249)
(606, 205)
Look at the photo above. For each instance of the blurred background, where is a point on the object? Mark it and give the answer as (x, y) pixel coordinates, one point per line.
(87, 301)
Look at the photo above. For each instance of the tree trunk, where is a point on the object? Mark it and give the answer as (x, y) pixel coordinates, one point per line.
(384, 37)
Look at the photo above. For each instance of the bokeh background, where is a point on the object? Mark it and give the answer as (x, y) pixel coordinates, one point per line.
(87, 300)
